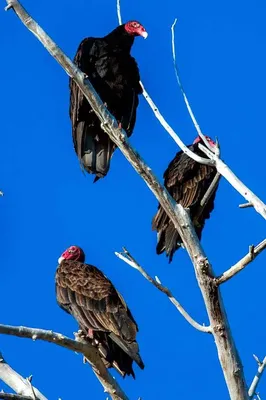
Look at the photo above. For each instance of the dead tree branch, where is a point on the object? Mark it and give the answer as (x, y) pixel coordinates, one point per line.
(255, 382)
(89, 351)
(130, 260)
(205, 199)
(246, 205)
(213, 160)
(227, 352)
(241, 264)
(159, 116)
(17, 383)
(221, 167)
(12, 396)
(192, 116)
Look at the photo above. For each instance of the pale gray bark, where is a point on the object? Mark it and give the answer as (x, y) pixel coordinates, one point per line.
(89, 351)
(241, 264)
(130, 260)
(16, 382)
(257, 377)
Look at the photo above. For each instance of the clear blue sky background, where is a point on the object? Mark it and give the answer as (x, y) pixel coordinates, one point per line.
(49, 204)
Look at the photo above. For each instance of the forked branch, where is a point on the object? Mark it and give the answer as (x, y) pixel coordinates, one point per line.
(130, 260)
(257, 377)
(214, 159)
(16, 382)
(89, 351)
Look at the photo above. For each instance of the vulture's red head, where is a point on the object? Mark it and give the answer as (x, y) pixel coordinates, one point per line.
(199, 140)
(73, 253)
(134, 28)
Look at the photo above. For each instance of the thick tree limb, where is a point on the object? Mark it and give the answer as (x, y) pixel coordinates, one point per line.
(255, 382)
(225, 171)
(227, 352)
(241, 264)
(16, 382)
(89, 351)
(130, 260)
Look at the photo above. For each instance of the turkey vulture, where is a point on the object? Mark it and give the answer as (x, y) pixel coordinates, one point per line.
(187, 182)
(114, 74)
(83, 291)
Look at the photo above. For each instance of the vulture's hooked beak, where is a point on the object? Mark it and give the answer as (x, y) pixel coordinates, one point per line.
(60, 259)
(144, 34)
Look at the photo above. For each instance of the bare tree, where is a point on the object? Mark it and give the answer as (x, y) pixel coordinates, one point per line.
(207, 281)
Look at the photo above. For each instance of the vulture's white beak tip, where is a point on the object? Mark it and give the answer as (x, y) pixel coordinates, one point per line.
(144, 35)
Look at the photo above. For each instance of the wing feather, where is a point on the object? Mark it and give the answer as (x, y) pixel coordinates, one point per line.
(93, 300)
(187, 181)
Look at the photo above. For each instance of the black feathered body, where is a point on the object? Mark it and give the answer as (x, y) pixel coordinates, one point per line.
(187, 182)
(83, 291)
(114, 75)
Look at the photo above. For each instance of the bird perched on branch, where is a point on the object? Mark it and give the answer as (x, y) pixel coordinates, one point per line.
(114, 75)
(83, 291)
(187, 181)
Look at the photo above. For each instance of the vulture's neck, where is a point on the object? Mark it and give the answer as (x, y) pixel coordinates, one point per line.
(120, 39)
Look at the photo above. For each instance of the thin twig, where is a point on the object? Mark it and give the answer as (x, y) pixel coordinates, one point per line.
(118, 9)
(29, 379)
(246, 205)
(159, 116)
(255, 382)
(171, 132)
(207, 196)
(241, 264)
(192, 116)
(17, 382)
(130, 260)
(89, 351)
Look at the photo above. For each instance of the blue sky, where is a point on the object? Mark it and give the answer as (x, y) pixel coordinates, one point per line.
(49, 204)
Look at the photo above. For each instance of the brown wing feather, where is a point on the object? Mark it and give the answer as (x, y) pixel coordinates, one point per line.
(187, 181)
(84, 291)
(86, 288)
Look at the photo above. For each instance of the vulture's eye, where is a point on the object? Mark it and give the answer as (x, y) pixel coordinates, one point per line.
(135, 25)
(71, 251)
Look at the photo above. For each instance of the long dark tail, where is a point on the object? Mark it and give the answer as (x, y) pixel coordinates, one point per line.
(94, 149)
(168, 239)
(114, 354)
(131, 349)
